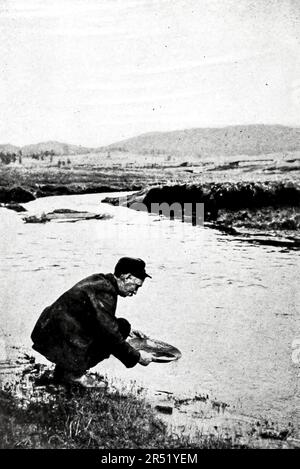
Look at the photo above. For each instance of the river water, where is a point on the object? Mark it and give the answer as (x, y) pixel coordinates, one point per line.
(230, 307)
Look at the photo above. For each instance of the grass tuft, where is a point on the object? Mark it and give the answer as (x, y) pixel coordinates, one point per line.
(77, 419)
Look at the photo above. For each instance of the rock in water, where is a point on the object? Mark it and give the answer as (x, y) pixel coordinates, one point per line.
(15, 207)
(15, 194)
(36, 219)
(66, 215)
(19, 195)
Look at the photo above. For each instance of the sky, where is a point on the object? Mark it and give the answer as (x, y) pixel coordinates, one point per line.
(94, 72)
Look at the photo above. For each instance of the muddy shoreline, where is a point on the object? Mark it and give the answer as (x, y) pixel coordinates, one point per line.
(75, 417)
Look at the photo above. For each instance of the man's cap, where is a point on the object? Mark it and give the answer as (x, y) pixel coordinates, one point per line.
(130, 265)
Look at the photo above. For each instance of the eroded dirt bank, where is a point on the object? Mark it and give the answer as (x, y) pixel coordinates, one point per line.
(268, 208)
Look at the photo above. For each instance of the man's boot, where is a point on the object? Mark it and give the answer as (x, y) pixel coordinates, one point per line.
(67, 377)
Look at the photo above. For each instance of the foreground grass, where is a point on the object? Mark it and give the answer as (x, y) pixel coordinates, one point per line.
(95, 419)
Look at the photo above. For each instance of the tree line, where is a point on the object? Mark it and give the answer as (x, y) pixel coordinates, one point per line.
(12, 157)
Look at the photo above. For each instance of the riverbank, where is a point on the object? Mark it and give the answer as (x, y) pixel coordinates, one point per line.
(242, 201)
(260, 212)
(36, 414)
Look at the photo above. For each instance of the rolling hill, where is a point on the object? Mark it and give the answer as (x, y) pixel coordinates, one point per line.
(8, 148)
(57, 147)
(233, 140)
(222, 141)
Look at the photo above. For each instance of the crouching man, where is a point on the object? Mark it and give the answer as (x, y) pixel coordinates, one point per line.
(80, 329)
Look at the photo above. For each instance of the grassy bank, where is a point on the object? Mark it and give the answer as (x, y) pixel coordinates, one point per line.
(36, 414)
(91, 419)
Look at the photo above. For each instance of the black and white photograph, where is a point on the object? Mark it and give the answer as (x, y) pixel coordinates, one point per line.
(149, 227)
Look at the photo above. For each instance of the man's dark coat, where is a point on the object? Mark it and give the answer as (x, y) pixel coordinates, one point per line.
(80, 328)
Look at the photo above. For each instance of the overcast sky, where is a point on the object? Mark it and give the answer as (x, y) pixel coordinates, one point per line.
(93, 72)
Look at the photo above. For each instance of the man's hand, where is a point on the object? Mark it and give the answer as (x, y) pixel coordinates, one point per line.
(135, 333)
(145, 358)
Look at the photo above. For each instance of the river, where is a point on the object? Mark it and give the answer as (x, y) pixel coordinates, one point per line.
(232, 308)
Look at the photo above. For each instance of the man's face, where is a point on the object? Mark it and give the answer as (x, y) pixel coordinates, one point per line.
(129, 285)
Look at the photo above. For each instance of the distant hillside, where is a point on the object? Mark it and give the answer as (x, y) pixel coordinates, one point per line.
(233, 140)
(8, 148)
(57, 147)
